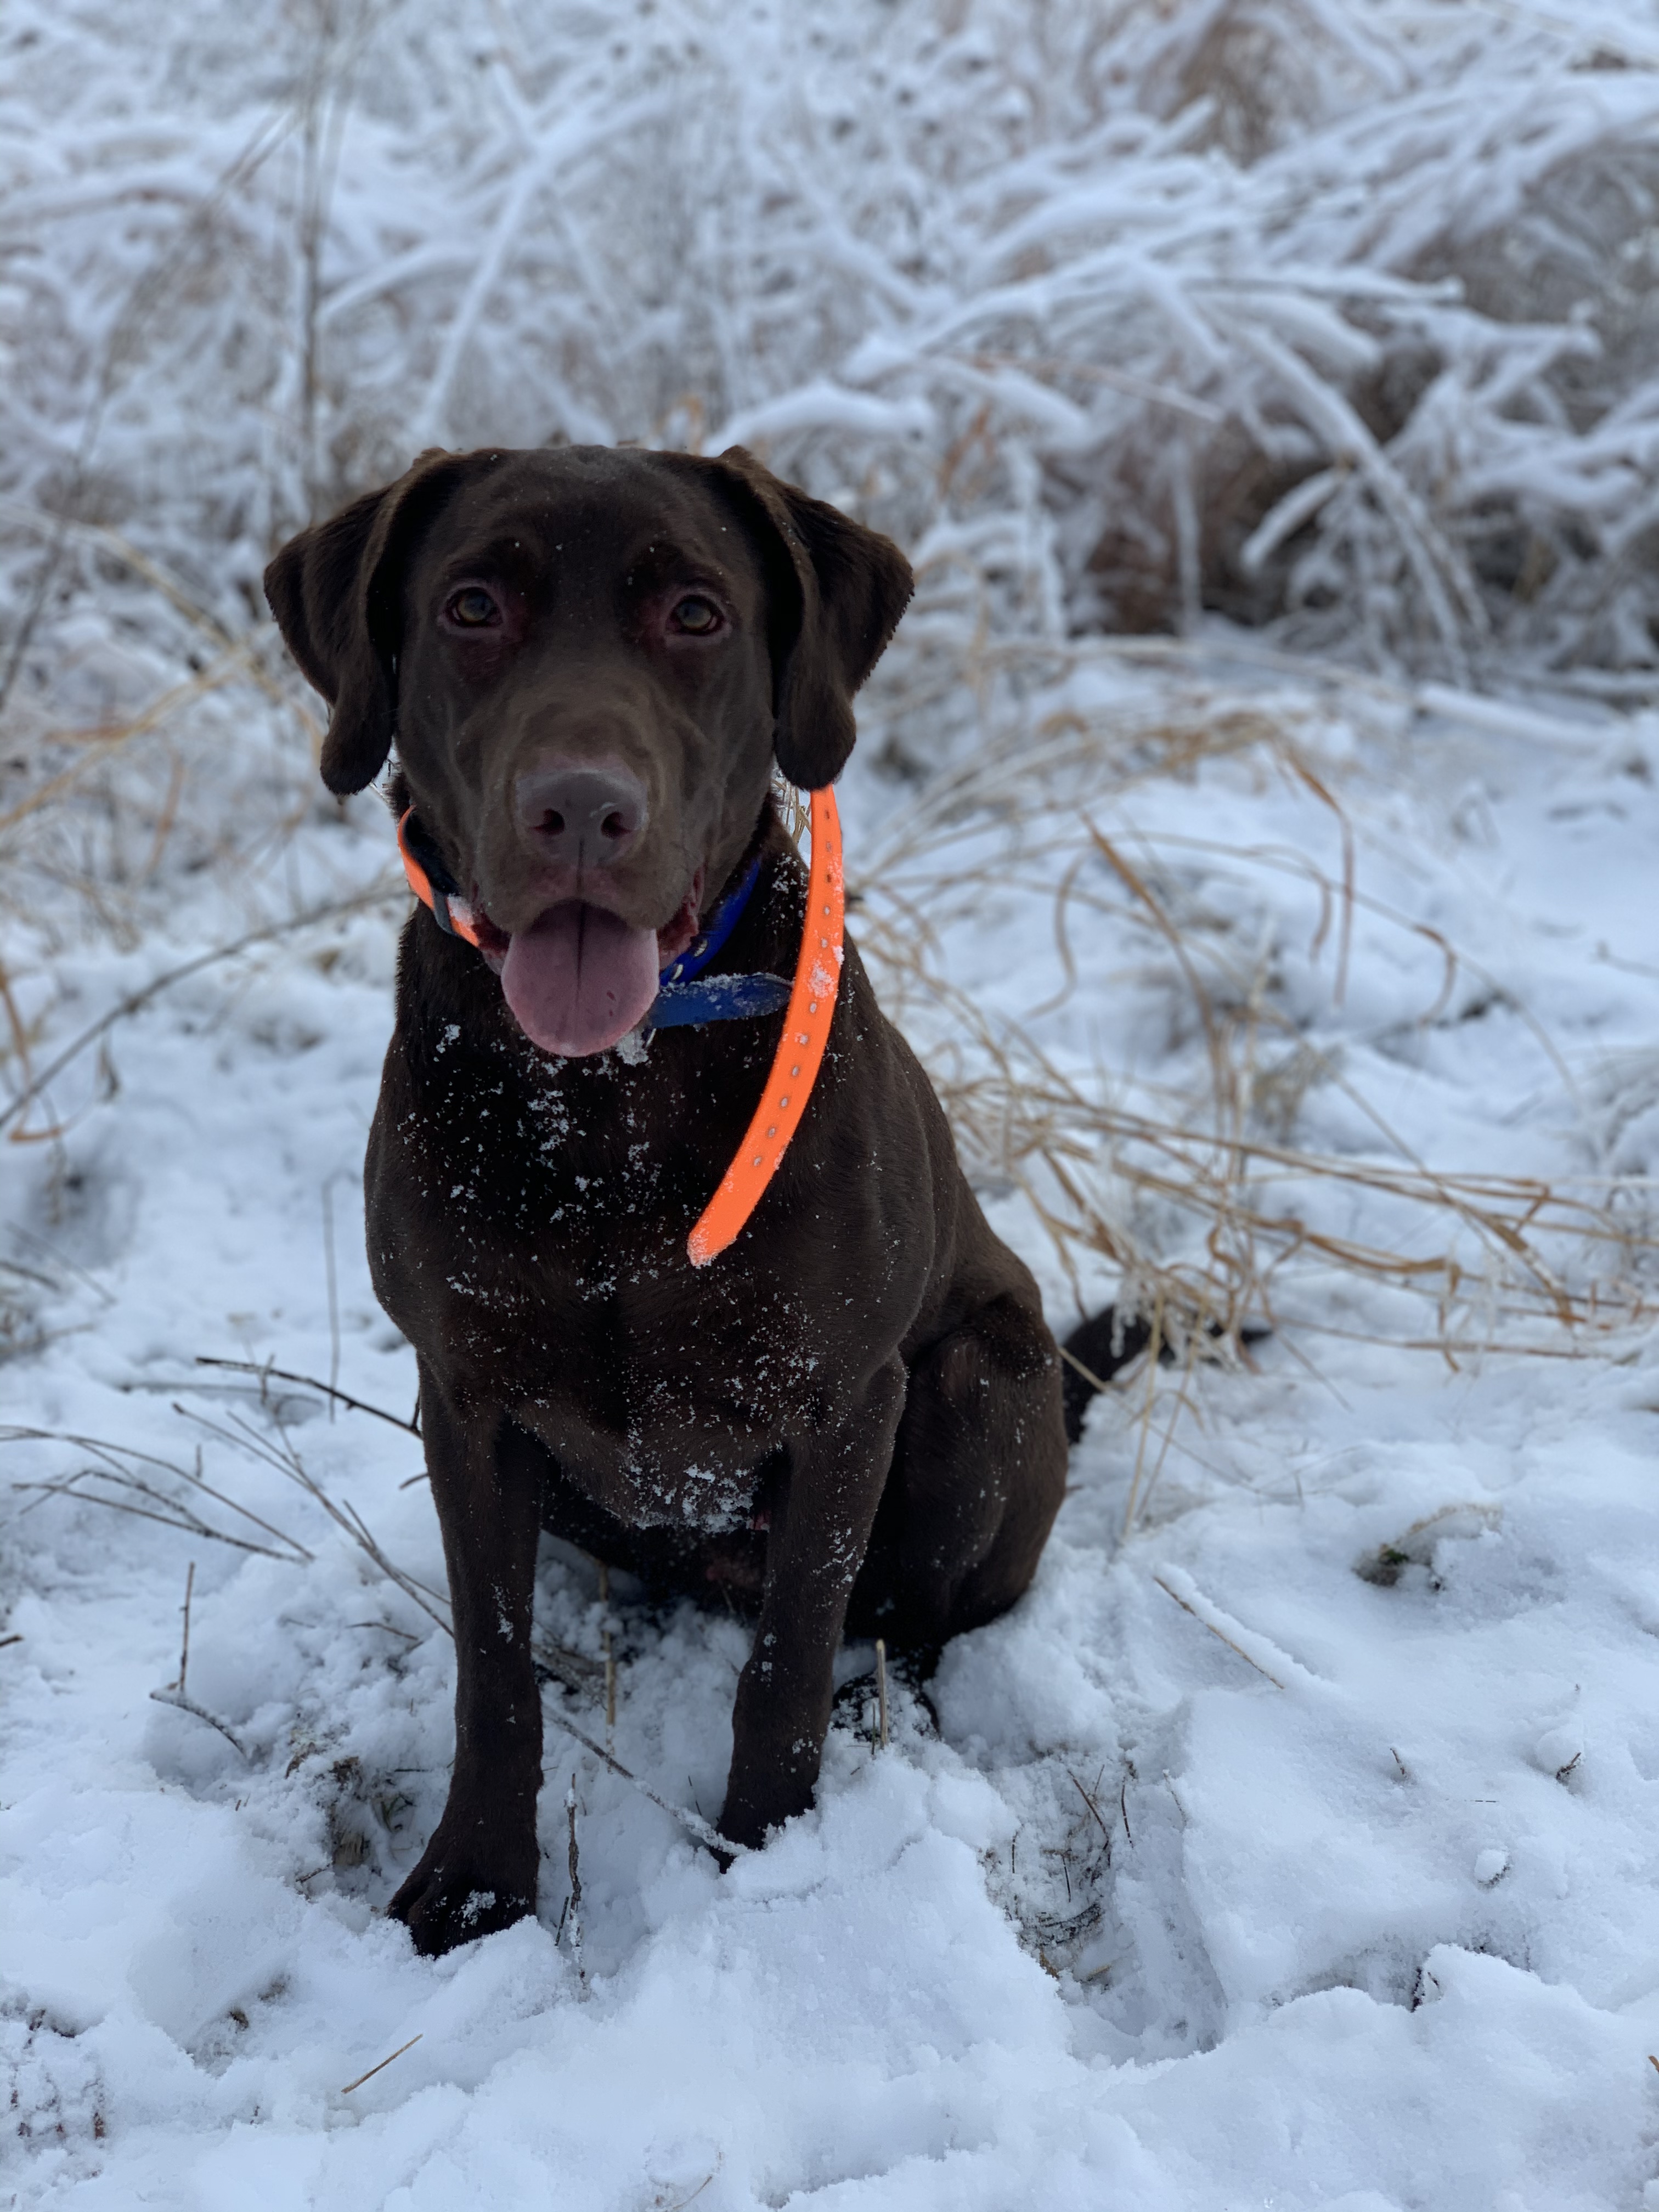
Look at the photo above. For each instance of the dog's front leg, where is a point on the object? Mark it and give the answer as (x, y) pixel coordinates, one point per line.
(478, 1872)
(821, 1518)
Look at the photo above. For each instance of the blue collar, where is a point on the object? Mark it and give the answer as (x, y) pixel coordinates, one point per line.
(708, 943)
(682, 1001)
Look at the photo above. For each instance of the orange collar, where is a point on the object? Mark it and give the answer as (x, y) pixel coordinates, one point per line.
(431, 881)
(805, 1023)
(800, 1049)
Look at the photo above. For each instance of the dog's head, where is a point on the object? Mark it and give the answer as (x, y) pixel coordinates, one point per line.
(588, 658)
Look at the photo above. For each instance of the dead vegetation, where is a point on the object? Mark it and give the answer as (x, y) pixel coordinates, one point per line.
(1198, 1193)
(1040, 814)
(1090, 333)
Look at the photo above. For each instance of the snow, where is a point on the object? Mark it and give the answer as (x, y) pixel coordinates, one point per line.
(1362, 1867)
(1295, 1843)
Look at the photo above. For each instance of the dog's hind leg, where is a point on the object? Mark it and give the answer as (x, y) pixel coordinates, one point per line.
(978, 1473)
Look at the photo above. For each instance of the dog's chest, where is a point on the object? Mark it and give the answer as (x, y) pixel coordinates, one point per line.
(661, 1391)
(662, 1430)
(645, 1490)
(666, 1381)
(543, 1270)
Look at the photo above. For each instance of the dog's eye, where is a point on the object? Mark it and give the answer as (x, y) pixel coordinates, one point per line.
(473, 609)
(697, 615)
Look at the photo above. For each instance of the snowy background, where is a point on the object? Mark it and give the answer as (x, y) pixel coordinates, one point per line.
(1254, 824)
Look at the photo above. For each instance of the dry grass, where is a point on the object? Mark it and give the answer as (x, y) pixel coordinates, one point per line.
(170, 1491)
(1199, 1196)
(102, 818)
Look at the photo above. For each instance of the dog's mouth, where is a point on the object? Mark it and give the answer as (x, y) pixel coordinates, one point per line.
(580, 977)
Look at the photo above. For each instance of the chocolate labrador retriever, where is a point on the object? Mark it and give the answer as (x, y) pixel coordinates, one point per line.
(589, 661)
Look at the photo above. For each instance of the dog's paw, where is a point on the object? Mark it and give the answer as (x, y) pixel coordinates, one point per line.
(446, 1901)
(755, 1807)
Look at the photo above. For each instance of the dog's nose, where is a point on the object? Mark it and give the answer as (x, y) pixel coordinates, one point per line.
(582, 817)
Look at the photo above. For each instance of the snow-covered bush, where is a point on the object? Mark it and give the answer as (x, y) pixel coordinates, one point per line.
(1332, 317)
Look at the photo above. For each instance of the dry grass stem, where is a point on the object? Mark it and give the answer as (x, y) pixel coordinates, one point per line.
(1210, 1617)
(1096, 1813)
(283, 1456)
(265, 1371)
(184, 1646)
(384, 2063)
(693, 1823)
(117, 1470)
(135, 1001)
(184, 1704)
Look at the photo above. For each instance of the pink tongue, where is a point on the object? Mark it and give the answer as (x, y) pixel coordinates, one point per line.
(580, 978)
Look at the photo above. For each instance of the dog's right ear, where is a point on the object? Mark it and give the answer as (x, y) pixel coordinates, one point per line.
(336, 592)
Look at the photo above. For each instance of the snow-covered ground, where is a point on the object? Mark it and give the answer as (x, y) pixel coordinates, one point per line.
(1296, 1842)
(1299, 1847)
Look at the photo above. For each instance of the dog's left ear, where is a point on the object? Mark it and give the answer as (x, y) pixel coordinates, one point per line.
(837, 592)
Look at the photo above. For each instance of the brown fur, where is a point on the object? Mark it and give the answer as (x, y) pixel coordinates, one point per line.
(852, 1418)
